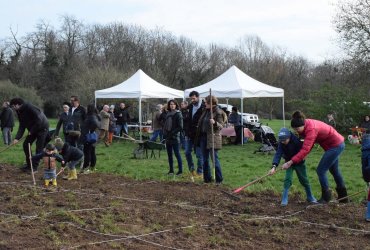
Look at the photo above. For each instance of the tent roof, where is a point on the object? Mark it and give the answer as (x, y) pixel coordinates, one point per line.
(234, 83)
(139, 85)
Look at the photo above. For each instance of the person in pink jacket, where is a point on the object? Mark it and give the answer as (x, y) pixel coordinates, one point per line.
(315, 131)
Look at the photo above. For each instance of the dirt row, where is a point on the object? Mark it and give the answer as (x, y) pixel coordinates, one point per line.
(101, 211)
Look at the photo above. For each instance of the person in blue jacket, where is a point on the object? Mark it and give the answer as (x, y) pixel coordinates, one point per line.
(289, 145)
(365, 160)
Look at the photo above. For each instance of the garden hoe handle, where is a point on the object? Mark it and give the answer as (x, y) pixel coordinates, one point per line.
(33, 174)
(213, 138)
(252, 182)
(60, 171)
(11, 145)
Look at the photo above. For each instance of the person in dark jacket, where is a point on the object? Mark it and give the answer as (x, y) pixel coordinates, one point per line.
(365, 162)
(63, 121)
(123, 117)
(289, 145)
(72, 156)
(90, 124)
(171, 133)
(34, 120)
(76, 115)
(7, 123)
(185, 117)
(366, 124)
(195, 108)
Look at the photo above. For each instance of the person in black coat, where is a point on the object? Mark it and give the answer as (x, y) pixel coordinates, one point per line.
(7, 123)
(34, 120)
(195, 108)
(90, 124)
(76, 116)
(123, 117)
(63, 121)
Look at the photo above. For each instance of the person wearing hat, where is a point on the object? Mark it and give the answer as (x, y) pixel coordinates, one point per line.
(315, 131)
(49, 158)
(288, 146)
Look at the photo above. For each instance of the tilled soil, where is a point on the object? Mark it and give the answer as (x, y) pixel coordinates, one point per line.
(101, 211)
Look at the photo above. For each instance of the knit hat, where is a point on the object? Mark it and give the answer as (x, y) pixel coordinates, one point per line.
(284, 134)
(59, 143)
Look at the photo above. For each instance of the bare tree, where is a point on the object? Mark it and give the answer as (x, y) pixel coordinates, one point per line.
(353, 26)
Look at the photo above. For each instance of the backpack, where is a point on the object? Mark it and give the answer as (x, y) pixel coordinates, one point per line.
(91, 137)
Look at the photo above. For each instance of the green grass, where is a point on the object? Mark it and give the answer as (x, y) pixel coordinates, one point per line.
(239, 165)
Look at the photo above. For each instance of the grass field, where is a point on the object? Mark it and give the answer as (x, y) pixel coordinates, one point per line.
(239, 165)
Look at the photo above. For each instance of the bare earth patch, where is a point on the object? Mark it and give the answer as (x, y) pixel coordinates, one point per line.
(101, 211)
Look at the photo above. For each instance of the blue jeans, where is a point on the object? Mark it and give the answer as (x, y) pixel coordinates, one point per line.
(176, 149)
(7, 135)
(189, 145)
(157, 133)
(207, 176)
(330, 161)
(50, 174)
(122, 128)
(72, 164)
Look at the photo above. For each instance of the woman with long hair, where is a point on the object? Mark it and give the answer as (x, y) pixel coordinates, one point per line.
(172, 128)
(90, 124)
(315, 131)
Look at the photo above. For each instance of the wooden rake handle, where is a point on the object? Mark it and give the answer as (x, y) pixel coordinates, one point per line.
(252, 182)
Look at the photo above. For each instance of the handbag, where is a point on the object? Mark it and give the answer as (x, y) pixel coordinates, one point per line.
(91, 137)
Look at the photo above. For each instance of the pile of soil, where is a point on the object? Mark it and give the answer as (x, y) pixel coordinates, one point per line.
(101, 211)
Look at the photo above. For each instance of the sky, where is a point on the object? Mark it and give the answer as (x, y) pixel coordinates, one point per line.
(301, 27)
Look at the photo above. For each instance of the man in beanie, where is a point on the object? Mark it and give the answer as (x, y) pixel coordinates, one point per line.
(315, 131)
(288, 146)
(34, 120)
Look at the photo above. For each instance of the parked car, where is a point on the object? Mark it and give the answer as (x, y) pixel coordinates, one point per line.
(247, 117)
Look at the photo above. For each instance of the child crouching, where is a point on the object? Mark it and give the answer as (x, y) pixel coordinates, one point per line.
(288, 146)
(49, 158)
(72, 156)
(365, 160)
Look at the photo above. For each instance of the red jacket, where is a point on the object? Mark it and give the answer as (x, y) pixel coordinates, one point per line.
(317, 132)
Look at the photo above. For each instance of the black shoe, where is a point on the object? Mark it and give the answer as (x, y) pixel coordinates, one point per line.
(170, 173)
(342, 195)
(325, 196)
(179, 173)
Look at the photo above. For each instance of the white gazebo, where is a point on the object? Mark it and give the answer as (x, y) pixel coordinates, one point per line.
(139, 86)
(234, 83)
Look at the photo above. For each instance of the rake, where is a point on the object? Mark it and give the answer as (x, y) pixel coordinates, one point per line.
(253, 182)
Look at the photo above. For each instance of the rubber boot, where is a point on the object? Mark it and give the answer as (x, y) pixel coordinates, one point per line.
(54, 182)
(73, 175)
(342, 192)
(46, 182)
(310, 197)
(284, 198)
(68, 176)
(368, 212)
(325, 196)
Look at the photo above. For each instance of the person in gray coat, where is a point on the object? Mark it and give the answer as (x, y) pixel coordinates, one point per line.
(7, 122)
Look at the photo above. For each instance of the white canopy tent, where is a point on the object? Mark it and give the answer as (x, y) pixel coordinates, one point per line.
(234, 83)
(139, 86)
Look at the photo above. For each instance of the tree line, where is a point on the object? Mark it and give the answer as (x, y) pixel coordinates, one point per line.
(75, 58)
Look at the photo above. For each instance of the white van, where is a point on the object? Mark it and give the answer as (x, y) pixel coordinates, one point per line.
(247, 118)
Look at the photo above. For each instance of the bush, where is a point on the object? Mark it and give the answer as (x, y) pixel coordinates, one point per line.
(9, 90)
